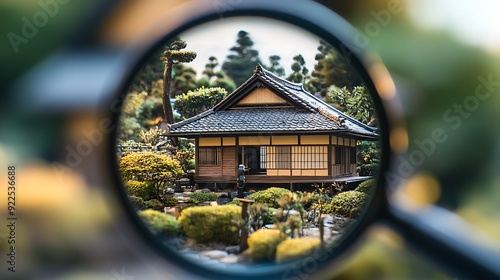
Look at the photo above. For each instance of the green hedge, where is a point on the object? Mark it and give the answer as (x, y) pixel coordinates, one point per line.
(297, 247)
(348, 204)
(137, 203)
(269, 196)
(144, 190)
(170, 201)
(206, 224)
(160, 223)
(262, 244)
(366, 186)
(202, 197)
(152, 203)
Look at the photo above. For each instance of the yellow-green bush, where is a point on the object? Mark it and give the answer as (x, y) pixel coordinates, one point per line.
(137, 203)
(144, 190)
(206, 224)
(366, 186)
(296, 247)
(262, 244)
(269, 196)
(349, 203)
(160, 223)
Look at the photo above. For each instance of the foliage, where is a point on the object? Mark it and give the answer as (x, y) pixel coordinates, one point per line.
(295, 248)
(332, 68)
(152, 167)
(170, 201)
(206, 224)
(215, 78)
(356, 103)
(196, 102)
(202, 197)
(348, 204)
(262, 244)
(152, 203)
(235, 201)
(149, 112)
(142, 189)
(260, 215)
(137, 202)
(367, 169)
(269, 196)
(368, 158)
(153, 136)
(160, 223)
(276, 66)
(240, 65)
(299, 69)
(366, 186)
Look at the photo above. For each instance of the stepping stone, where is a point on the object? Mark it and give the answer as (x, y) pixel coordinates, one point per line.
(214, 254)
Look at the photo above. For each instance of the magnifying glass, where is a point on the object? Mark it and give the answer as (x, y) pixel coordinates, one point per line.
(283, 168)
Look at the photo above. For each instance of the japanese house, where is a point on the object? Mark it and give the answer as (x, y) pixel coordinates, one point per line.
(279, 131)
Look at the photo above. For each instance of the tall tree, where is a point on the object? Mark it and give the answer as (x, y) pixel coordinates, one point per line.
(240, 65)
(198, 101)
(213, 78)
(299, 69)
(332, 68)
(355, 103)
(276, 67)
(173, 55)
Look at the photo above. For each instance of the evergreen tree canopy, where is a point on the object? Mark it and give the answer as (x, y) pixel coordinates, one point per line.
(300, 71)
(276, 66)
(240, 65)
(214, 78)
(198, 101)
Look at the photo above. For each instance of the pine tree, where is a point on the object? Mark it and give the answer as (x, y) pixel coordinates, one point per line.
(276, 66)
(173, 55)
(300, 71)
(240, 65)
(214, 78)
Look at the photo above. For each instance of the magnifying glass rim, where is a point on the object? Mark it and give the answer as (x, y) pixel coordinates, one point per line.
(319, 21)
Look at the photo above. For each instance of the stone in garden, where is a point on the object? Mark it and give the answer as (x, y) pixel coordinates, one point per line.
(205, 190)
(223, 199)
(214, 254)
(229, 259)
(233, 249)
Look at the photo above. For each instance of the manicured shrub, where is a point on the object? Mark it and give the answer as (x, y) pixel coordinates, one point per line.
(202, 197)
(369, 169)
(137, 203)
(349, 203)
(235, 201)
(152, 203)
(144, 190)
(269, 196)
(170, 201)
(206, 224)
(296, 247)
(262, 244)
(366, 186)
(160, 223)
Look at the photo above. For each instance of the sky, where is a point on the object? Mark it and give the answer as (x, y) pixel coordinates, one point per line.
(270, 37)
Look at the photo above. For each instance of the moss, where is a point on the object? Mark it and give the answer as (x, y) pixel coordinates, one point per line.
(262, 244)
(297, 247)
(160, 223)
(207, 224)
(202, 197)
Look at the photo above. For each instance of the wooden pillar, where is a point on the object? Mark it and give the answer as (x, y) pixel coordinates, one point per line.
(244, 230)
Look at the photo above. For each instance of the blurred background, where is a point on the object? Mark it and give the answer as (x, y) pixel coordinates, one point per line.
(443, 55)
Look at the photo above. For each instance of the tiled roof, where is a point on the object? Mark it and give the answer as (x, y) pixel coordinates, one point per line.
(308, 115)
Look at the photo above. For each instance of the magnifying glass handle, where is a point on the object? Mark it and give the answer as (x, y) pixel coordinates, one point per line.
(447, 239)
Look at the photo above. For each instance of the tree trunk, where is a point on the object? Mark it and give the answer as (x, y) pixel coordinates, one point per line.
(168, 113)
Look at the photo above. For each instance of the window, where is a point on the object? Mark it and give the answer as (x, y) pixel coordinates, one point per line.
(338, 155)
(310, 157)
(278, 157)
(297, 157)
(209, 155)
